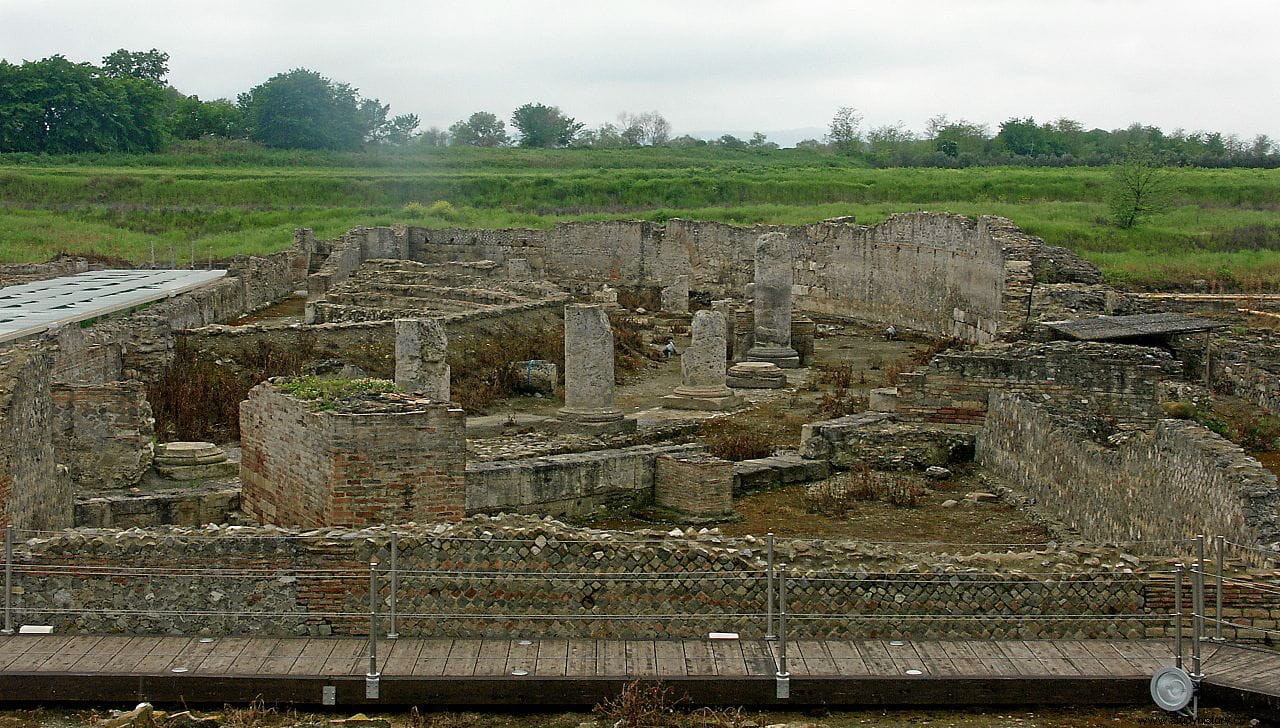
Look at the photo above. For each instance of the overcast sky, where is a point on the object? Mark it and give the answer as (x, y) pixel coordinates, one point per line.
(738, 65)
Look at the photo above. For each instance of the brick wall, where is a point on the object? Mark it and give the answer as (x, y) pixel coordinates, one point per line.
(694, 484)
(319, 468)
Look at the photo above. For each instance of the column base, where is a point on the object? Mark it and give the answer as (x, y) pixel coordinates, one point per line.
(714, 403)
(783, 356)
(591, 423)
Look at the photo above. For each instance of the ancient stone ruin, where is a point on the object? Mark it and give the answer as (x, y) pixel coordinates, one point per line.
(455, 387)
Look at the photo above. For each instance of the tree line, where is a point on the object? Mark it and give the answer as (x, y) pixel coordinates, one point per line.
(124, 104)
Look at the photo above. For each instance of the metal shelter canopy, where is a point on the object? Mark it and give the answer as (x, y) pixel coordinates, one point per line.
(32, 308)
(1147, 325)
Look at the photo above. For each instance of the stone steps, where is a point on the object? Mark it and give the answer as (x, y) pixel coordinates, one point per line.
(785, 468)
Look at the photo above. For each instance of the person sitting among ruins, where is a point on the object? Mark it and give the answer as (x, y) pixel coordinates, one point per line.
(891, 333)
(669, 350)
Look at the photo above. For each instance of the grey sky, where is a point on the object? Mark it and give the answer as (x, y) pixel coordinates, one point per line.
(713, 65)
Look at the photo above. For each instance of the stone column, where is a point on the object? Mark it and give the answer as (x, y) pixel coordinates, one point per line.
(422, 366)
(702, 366)
(675, 296)
(773, 302)
(588, 370)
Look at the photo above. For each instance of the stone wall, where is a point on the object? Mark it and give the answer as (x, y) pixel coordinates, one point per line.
(1113, 381)
(103, 433)
(568, 483)
(190, 505)
(34, 494)
(1177, 480)
(392, 459)
(885, 441)
(1245, 366)
(536, 578)
(939, 273)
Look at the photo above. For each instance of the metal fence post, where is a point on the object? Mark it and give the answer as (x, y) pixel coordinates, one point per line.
(8, 580)
(1219, 546)
(783, 678)
(768, 596)
(1197, 605)
(392, 632)
(1177, 614)
(372, 677)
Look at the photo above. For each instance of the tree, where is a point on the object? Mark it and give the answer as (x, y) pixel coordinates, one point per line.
(303, 110)
(481, 129)
(760, 141)
(152, 65)
(544, 126)
(193, 119)
(648, 127)
(729, 141)
(434, 137)
(843, 132)
(55, 106)
(1141, 186)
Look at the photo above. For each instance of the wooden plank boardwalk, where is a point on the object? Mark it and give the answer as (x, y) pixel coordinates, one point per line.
(118, 668)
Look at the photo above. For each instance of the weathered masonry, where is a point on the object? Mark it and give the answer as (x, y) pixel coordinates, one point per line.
(939, 273)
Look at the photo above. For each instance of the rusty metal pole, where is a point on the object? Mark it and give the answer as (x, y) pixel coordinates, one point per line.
(783, 678)
(1219, 546)
(1177, 615)
(768, 596)
(372, 677)
(392, 631)
(8, 581)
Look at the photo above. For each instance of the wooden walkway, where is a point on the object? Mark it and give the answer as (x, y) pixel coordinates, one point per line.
(576, 672)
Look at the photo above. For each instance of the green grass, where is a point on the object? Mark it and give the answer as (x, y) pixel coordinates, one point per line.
(1224, 226)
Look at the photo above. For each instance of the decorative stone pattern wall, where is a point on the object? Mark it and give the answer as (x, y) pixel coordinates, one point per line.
(568, 483)
(694, 484)
(33, 492)
(932, 272)
(302, 467)
(1109, 380)
(556, 581)
(1180, 479)
(103, 433)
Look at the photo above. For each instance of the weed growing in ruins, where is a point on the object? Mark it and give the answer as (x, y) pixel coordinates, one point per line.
(488, 371)
(631, 350)
(840, 494)
(325, 392)
(732, 443)
(843, 398)
(197, 398)
(652, 705)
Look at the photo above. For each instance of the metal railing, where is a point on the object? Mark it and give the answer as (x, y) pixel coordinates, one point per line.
(787, 598)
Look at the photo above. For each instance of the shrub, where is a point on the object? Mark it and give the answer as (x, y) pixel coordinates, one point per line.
(840, 494)
(325, 392)
(731, 443)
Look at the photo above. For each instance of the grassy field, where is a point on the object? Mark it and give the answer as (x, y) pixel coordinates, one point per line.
(1224, 226)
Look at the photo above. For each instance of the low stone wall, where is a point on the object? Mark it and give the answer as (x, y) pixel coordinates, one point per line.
(569, 483)
(34, 492)
(103, 433)
(885, 441)
(1114, 381)
(1243, 366)
(195, 505)
(368, 344)
(537, 578)
(391, 459)
(1177, 480)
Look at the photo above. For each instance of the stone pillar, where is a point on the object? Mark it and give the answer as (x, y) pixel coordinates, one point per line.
(702, 366)
(422, 350)
(773, 302)
(675, 296)
(588, 371)
(803, 331)
(725, 308)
